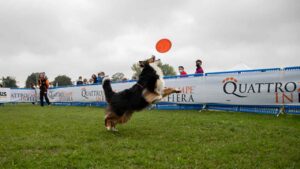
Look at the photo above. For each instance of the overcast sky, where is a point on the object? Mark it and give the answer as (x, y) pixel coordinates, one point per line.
(82, 37)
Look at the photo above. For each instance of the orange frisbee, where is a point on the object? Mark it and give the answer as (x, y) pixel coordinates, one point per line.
(163, 45)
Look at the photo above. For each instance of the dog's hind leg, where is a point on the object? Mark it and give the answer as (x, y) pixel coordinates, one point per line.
(110, 120)
(110, 123)
(126, 116)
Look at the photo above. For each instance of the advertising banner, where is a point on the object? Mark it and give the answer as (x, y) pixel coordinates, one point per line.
(252, 88)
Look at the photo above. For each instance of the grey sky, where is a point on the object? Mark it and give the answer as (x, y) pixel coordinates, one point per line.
(82, 37)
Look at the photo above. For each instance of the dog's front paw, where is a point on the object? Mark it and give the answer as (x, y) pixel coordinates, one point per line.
(177, 91)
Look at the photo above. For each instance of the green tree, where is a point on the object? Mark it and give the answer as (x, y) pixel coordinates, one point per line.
(9, 82)
(62, 80)
(117, 77)
(137, 70)
(33, 78)
(167, 70)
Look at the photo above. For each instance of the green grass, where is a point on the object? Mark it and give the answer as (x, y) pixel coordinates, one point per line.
(75, 137)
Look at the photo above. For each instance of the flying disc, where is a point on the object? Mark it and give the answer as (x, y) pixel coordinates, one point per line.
(163, 45)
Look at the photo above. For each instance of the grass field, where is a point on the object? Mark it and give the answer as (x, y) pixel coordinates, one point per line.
(75, 137)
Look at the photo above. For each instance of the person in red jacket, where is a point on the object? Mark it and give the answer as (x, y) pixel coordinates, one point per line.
(181, 71)
(44, 85)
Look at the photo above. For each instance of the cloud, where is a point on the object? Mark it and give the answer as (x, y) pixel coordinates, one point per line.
(81, 37)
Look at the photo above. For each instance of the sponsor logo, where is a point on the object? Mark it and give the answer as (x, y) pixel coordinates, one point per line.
(284, 91)
(186, 95)
(61, 96)
(92, 94)
(3, 94)
(23, 97)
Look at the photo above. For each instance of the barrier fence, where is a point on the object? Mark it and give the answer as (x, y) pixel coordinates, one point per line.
(267, 91)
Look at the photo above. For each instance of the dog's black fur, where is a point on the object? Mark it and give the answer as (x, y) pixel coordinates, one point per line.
(131, 99)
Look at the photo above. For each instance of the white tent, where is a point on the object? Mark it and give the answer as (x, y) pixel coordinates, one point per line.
(240, 66)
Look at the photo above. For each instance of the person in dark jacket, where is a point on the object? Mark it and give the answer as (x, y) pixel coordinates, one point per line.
(95, 80)
(100, 77)
(199, 67)
(79, 81)
(44, 85)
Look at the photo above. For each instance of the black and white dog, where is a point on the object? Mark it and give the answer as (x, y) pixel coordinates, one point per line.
(149, 88)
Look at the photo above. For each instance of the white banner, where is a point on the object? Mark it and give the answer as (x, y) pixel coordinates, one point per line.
(4, 95)
(89, 93)
(252, 88)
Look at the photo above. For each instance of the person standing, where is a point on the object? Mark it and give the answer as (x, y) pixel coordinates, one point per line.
(91, 81)
(199, 67)
(85, 81)
(100, 77)
(95, 80)
(44, 85)
(181, 71)
(79, 81)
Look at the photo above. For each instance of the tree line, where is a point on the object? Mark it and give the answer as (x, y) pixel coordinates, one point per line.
(64, 80)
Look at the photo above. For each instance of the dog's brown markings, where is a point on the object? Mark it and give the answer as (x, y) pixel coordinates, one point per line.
(151, 97)
(111, 118)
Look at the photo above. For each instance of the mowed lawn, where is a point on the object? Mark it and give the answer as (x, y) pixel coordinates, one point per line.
(75, 137)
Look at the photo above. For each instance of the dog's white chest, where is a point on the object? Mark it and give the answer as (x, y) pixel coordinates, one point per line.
(160, 85)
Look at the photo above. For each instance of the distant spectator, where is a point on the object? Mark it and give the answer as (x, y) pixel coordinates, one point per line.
(199, 67)
(85, 81)
(94, 77)
(79, 81)
(181, 71)
(44, 85)
(100, 77)
(91, 81)
(1, 85)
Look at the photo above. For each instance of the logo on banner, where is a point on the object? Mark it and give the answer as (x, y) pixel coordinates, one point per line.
(284, 91)
(61, 96)
(230, 86)
(87, 94)
(185, 96)
(24, 97)
(3, 94)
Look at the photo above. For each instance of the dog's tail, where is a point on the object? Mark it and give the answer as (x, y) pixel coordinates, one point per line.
(107, 89)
